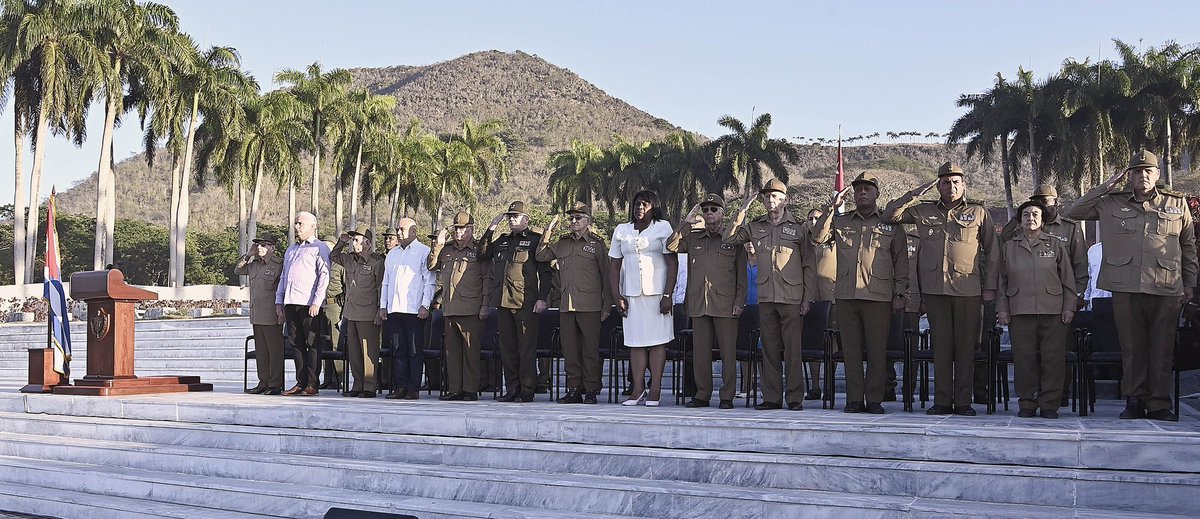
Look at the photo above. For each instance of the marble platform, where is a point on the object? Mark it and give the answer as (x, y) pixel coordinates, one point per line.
(227, 454)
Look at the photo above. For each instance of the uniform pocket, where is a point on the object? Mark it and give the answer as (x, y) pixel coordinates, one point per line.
(1169, 224)
(964, 231)
(1116, 269)
(1126, 221)
(1167, 273)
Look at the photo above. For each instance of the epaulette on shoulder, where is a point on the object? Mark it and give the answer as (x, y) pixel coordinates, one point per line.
(974, 201)
(596, 236)
(1175, 194)
(536, 229)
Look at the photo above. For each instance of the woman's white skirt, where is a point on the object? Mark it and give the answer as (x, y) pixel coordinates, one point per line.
(645, 326)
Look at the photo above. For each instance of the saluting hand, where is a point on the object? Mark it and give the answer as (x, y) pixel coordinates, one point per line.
(924, 188)
(693, 216)
(749, 201)
(551, 225)
(442, 235)
(1114, 180)
(839, 197)
(496, 221)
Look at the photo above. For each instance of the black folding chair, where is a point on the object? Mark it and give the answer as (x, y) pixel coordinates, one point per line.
(748, 350)
(489, 350)
(611, 337)
(548, 347)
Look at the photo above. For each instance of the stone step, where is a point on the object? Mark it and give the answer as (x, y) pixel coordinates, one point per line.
(191, 496)
(59, 502)
(566, 493)
(1070, 442)
(851, 475)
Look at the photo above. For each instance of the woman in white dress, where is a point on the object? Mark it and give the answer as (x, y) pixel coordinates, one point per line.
(642, 283)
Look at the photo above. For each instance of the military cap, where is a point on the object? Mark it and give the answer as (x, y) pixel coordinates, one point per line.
(517, 207)
(391, 231)
(266, 238)
(865, 178)
(1143, 159)
(774, 185)
(463, 219)
(950, 169)
(1044, 190)
(580, 208)
(363, 230)
(713, 199)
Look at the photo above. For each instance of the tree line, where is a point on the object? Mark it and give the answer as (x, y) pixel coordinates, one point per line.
(1073, 126)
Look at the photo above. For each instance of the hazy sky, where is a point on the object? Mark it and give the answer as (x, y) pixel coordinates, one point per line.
(867, 65)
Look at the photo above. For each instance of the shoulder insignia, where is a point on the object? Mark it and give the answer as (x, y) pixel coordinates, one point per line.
(1169, 192)
(537, 230)
(973, 201)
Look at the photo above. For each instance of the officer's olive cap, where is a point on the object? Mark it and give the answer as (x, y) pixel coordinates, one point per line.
(866, 178)
(950, 169)
(1143, 159)
(391, 231)
(1044, 190)
(713, 199)
(362, 230)
(774, 185)
(463, 219)
(267, 238)
(517, 207)
(580, 208)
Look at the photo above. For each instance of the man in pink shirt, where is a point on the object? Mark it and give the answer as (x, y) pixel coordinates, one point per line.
(299, 298)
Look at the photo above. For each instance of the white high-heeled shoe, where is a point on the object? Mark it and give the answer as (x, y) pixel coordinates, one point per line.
(638, 401)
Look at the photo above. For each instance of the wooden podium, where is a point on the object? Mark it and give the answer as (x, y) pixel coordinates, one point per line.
(110, 327)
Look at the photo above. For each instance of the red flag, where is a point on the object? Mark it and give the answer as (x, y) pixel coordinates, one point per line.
(840, 182)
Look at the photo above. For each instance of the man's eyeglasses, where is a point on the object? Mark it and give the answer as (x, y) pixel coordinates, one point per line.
(710, 209)
(576, 218)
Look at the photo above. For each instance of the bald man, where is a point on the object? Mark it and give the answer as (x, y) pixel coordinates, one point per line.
(300, 297)
(404, 302)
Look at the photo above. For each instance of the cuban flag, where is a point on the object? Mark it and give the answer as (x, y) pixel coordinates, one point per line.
(60, 331)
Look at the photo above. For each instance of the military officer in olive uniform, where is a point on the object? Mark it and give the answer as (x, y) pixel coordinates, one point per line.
(1067, 231)
(363, 277)
(263, 267)
(716, 296)
(955, 260)
(872, 277)
(335, 297)
(1150, 267)
(584, 300)
(523, 289)
(786, 290)
(465, 281)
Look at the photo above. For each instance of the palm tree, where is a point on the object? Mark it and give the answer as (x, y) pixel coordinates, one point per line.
(1092, 111)
(1164, 89)
(138, 40)
(476, 154)
(991, 117)
(44, 50)
(575, 174)
(323, 93)
(274, 134)
(749, 151)
(371, 118)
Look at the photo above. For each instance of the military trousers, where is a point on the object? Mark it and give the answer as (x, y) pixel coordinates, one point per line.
(1146, 326)
(782, 327)
(304, 331)
(710, 333)
(1039, 348)
(362, 348)
(268, 354)
(518, 348)
(864, 326)
(406, 338)
(464, 337)
(954, 324)
(579, 334)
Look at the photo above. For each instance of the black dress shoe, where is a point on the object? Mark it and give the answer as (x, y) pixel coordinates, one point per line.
(1162, 414)
(874, 408)
(470, 396)
(889, 396)
(813, 394)
(367, 394)
(352, 394)
(765, 406)
(1133, 410)
(725, 404)
(1026, 413)
(273, 391)
(965, 410)
(589, 397)
(938, 410)
(795, 406)
(1050, 413)
(573, 396)
(256, 390)
(510, 396)
(448, 397)
(397, 395)
(854, 407)
(696, 402)
(524, 397)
